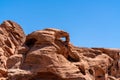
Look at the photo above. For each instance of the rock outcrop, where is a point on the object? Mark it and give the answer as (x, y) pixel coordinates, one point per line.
(45, 55)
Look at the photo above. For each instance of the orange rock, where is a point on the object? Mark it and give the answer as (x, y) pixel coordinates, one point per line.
(44, 55)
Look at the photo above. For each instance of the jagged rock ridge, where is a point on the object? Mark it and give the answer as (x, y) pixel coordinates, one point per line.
(43, 55)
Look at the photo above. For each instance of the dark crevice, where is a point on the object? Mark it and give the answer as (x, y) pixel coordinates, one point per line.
(82, 70)
(99, 76)
(30, 42)
(7, 42)
(45, 76)
(91, 71)
(69, 58)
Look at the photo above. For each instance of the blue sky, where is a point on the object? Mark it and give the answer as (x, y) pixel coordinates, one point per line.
(91, 23)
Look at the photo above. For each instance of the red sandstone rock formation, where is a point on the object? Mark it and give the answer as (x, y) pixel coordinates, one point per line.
(43, 55)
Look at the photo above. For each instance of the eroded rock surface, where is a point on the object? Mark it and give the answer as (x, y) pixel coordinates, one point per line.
(44, 55)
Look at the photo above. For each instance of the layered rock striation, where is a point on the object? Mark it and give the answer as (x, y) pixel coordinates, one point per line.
(45, 55)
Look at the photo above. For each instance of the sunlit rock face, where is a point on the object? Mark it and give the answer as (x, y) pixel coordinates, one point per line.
(45, 55)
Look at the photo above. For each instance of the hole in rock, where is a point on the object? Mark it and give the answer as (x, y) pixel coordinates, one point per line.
(90, 71)
(30, 42)
(63, 39)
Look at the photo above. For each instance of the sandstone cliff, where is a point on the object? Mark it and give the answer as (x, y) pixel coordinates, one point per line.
(44, 55)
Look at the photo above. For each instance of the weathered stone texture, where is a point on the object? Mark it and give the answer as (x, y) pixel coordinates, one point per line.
(44, 55)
